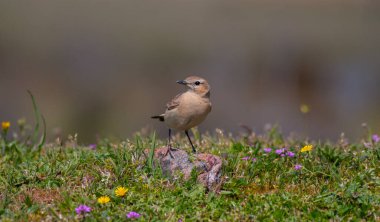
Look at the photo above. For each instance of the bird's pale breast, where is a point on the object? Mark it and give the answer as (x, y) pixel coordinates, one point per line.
(191, 111)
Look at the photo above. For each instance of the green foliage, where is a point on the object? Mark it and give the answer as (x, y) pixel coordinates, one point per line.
(335, 183)
(332, 155)
(37, 126)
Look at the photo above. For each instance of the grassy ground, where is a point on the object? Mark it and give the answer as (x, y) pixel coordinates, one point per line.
(336, 181)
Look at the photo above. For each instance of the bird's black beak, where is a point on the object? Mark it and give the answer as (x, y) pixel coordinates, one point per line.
(183, 82)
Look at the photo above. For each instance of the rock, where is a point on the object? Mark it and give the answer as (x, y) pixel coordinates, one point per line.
(208, 166)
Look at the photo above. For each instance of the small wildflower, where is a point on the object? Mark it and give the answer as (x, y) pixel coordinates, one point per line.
(92, 146)
(375, 138)
(304, 108)
(21, 122)
(121, 191)
(280, 151)
(306, 148)
(104, 199)
(82, 209)
(5, 125)
(267, 150)
(133, 214)
(290, 154)
(254, 159)
(245, 158)
(367, 145)
(298, 167)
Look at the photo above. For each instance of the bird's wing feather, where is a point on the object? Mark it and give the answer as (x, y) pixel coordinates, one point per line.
(174, 103)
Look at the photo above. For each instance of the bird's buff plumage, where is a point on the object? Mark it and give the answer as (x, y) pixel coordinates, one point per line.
(188, 109)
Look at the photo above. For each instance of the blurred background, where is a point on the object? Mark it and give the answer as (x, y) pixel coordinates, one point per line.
(104, 67)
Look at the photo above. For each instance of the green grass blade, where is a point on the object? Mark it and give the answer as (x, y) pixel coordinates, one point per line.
(37, 117)
(43, 137)
(151, 153)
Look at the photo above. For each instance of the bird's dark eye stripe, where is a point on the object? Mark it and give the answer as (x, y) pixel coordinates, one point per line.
(197, 83)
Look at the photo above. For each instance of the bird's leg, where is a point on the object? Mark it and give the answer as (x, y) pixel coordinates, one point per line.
(170, 139)
(170, 144)
(192, 146)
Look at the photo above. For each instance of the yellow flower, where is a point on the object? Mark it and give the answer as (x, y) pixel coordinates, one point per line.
(306, 148)
(121, 191)
(103, 199)
(5, 125)
(304, 108)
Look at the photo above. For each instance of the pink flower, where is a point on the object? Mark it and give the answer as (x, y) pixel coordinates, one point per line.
(298, 167)
(254, 159)
(92, 146)
(290, 154)
(82, 209)
(267, 150)
(375, 138)
(280, 151)
(133, 215)
(245, 158)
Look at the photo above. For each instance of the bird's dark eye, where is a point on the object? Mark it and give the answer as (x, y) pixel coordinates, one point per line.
(197, 83)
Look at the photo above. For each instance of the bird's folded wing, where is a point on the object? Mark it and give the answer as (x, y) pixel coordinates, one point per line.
(174, 103)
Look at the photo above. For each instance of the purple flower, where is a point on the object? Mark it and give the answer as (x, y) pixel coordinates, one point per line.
(180, 220)
(133, 214)
(254, 159)
(82, 209)
(245, 158)
(375, 138)
(267, 150)
(280, 151)
(298, 167)
(92, 146)
(290, 154)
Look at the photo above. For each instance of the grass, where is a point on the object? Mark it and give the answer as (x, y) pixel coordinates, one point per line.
(337, 181)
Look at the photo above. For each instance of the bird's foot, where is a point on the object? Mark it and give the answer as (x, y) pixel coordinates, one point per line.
(169, 152)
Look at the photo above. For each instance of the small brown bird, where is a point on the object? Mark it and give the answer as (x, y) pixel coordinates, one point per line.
(188, 109)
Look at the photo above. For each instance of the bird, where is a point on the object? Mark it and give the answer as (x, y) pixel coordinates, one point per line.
(188, 109)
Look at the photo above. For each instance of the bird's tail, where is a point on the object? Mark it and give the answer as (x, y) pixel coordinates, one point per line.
(160, 117)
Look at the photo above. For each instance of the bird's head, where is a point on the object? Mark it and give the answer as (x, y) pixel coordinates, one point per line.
(196, 84)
